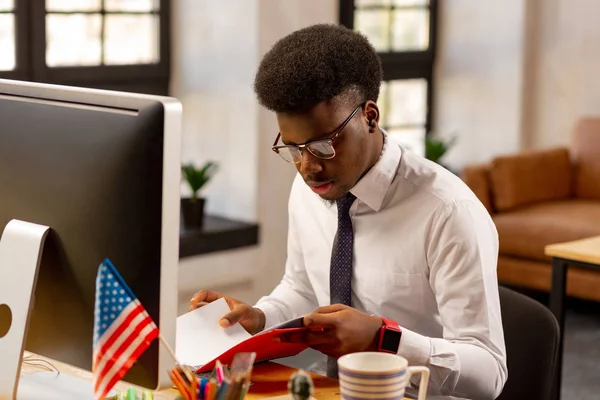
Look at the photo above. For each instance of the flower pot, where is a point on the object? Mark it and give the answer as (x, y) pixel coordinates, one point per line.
(192, 213)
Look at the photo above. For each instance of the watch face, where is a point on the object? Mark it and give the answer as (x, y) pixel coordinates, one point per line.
(391, 340)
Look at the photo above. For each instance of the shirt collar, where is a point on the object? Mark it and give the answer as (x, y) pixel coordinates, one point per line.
(373, 186)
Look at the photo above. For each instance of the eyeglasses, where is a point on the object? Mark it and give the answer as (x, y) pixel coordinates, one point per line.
(321, 148)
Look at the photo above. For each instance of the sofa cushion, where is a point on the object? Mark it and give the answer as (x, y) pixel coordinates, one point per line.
(477, 177)
(525, 232)
(528, 178)
(586, 155)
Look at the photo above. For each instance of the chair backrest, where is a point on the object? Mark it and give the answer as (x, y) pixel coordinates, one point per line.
(531, 335)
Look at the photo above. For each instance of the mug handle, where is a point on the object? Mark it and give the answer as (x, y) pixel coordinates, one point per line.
(424, 380)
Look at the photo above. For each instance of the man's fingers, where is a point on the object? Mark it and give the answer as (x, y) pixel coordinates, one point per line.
(240, 312)
(203, 297)
(330, 309)
(316, 321)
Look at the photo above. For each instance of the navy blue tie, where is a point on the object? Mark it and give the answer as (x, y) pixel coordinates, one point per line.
(340, 272)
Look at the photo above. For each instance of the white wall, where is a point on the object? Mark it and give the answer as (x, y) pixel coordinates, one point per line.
(567, 85)
(515, 74)
(478, 77)
(215, 52)
(217, 47)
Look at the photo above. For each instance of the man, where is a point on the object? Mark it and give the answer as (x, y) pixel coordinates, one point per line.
(379, 239)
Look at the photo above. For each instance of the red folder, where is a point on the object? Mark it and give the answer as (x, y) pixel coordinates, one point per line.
(265, 344)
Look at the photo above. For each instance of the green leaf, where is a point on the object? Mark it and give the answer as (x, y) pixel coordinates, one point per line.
(197, 178)
(436, 148)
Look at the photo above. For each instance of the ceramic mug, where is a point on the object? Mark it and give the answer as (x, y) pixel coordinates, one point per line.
(382, 376)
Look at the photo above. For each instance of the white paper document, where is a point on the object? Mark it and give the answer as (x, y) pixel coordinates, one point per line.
(200, 338)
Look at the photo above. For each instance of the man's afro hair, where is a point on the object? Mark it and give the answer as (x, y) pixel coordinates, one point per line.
(314, 64)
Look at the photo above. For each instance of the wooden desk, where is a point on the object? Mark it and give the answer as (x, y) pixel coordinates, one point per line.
(268, 380)
(584, 250)
(584, 253)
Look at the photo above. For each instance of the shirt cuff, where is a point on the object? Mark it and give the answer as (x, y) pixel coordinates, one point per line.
(414, 347)
(271, 314)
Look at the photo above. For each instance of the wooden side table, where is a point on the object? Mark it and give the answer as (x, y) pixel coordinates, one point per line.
(584, 253)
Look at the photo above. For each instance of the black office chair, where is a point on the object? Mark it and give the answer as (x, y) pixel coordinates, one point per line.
(531, 335)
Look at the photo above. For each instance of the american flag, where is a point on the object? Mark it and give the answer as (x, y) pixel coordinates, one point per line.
(123, 329)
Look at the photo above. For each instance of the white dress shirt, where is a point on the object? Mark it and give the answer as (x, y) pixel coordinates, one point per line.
(425, 255)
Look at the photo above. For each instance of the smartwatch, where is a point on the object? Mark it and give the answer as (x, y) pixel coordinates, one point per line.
(389, 336)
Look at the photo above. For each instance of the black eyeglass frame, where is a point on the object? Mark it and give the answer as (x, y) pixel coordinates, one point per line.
(330, 140)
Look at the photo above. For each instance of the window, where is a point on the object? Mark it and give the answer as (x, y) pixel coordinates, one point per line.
(112, 44)
(403, 33)
(7, 36)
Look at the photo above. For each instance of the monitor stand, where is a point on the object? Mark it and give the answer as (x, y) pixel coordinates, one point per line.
(21, 248)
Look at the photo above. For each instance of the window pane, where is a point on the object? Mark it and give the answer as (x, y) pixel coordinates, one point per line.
(383, 103)
(6, 5)
(411, 2)
(362, 3)
(73, 40)
(411, 30)
(131, 5)
(131, 39)
(7, 42)
(411, 139)
(73, 5)
(375, 25)
(408, 102)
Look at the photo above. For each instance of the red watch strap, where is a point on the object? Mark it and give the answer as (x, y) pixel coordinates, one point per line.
(391, 324)
(388, 325)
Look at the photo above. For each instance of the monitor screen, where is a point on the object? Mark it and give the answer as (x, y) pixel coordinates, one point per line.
(91, 165)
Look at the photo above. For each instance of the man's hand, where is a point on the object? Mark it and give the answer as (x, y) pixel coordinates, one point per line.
(252, 319)
(337, 329)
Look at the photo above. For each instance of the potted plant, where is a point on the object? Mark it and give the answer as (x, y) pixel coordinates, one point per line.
(436, 148)
(192, 208)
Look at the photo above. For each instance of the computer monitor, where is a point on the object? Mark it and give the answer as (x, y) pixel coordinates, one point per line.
(102, 170)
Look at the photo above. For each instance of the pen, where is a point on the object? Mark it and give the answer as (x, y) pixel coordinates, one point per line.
(212, 389)
(202, 389)
(219, 369)
(222, 391)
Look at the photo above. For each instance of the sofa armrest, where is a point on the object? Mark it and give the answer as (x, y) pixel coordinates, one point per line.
(530, 177)
(477, 178)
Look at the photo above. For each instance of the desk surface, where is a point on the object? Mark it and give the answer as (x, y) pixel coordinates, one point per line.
(268, 380)
(584, 250)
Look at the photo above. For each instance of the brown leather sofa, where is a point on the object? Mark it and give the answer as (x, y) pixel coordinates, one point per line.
(542, 197)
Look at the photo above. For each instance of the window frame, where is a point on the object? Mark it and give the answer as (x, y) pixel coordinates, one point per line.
(405, 64)
(22, 67)
(30, 43)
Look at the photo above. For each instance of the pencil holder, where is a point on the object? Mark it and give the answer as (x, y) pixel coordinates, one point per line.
(222, 383)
